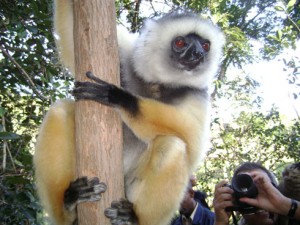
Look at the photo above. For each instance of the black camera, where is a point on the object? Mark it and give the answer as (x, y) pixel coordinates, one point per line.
(243, 186)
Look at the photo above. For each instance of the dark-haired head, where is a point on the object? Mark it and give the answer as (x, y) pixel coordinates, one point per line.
(250, 166)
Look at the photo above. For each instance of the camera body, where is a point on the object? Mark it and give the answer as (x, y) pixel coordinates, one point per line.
(243, 186)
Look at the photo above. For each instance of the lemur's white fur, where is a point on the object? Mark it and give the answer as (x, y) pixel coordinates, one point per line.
(165, 73)
(163, 145)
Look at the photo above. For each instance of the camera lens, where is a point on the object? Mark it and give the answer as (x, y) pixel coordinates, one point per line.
(243, 186)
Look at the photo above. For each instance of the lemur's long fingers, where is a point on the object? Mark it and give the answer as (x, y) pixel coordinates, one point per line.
(83, 190)
(121, 212)
(105, 93)
(89, 84)
(87, 91)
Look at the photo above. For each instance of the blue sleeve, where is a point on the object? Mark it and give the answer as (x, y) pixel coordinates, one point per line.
(176, 221)
(209, 217)
(203, 216)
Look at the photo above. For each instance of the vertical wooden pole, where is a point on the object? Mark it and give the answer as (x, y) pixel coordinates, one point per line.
(98, 127)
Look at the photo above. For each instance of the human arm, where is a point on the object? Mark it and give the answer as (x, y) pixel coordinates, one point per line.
(222, 200)
(269, 197)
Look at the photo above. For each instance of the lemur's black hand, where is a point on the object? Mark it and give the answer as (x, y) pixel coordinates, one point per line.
(83, 190)
(105, 93)
(99, 90)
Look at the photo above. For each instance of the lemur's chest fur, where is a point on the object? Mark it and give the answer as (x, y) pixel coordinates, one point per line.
(162, 92)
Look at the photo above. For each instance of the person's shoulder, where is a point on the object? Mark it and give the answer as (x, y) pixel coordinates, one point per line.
(204, 215)
(205, 210)
(176, 220)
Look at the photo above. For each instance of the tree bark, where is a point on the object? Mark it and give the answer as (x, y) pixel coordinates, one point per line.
(98, 127)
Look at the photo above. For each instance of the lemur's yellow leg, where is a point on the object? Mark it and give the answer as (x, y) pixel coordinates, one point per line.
(54, 159)
(162, 178)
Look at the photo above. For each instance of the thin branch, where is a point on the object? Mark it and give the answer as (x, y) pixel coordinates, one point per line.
(6, 150)
(11, 158)
(289, 18)
(4, 156)
(4, 146)
(24, 74)
(244, 27)
(153, 8)
(293, 22)
(221, 75)
(293, 106)
(136, 15)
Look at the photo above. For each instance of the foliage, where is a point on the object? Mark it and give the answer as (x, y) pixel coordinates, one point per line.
(31, 79)
(292, 69)
(132, 17)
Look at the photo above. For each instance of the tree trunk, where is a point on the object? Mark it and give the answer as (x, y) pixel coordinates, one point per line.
(98, 127)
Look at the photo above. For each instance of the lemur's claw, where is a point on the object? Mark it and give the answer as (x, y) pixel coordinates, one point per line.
(83, 190)
(121, 213)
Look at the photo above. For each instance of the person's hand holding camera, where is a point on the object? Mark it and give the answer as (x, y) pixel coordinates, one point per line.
(269, 197)
(253, 194)
(222, 199)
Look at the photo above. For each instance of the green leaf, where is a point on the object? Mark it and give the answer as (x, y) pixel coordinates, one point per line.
(8, 136)
(2, 111)
(290, 5)
(279, 35)
(279, 8)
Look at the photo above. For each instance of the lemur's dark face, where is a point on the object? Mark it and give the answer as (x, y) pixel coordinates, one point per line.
(189, 51)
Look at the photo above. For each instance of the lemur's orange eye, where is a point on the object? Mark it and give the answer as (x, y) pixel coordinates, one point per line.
(206, 46)
(180, 43)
